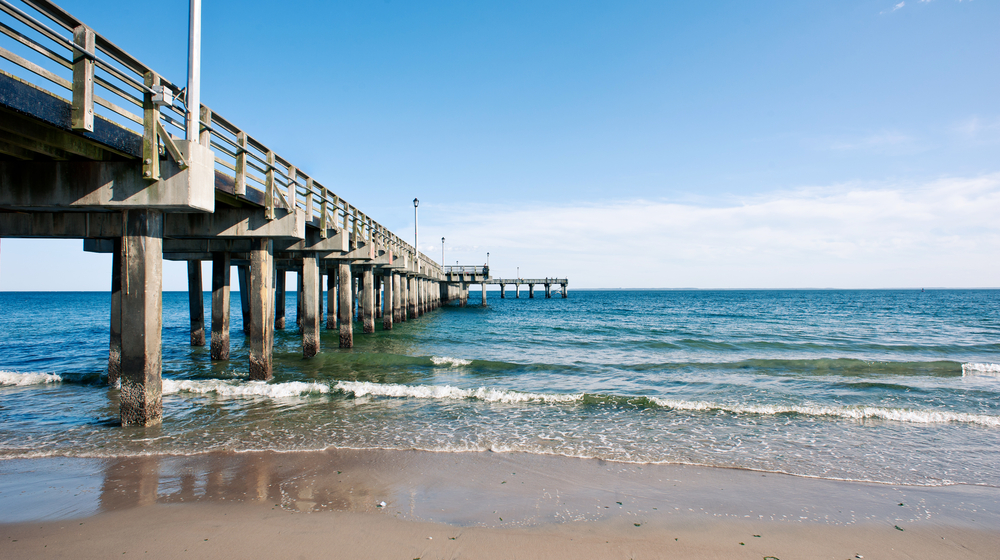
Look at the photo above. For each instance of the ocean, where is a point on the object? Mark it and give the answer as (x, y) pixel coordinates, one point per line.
(888, 386)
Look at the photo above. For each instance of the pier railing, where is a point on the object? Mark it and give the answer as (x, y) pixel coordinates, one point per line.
(102, 81)
(466, 269)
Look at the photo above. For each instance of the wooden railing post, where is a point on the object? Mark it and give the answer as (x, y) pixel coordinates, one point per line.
(150, 139)
(241, 164)
(293, 191)
(309, 202)
(324, 209)
(83, 79)
(269, 187)
(205, 130)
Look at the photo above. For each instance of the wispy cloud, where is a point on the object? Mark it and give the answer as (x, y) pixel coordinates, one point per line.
(977, 127)
(894, 8)
(941, 233)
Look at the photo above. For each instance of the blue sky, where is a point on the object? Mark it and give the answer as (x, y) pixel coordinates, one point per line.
(724, 144)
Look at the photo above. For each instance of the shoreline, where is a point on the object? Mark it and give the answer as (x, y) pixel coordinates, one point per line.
(502, 505)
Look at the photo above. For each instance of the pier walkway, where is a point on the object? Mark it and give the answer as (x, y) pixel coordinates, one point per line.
(92, 147)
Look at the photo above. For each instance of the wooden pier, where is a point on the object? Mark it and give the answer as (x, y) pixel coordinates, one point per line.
(91, 149)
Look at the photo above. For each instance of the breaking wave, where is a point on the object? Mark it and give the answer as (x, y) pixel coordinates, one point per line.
(980, 370)
(446, 361)
(238, 388)
(486, 394)
(12, 378)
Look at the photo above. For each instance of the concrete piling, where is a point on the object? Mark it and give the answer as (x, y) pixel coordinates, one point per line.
(220, 306)
(396, 289)
(411, 297)
(367, 299)
(387, 301)
(196, 303)
(142, 306)
(298, 301)
(261, 308)
(548, 291)
(310, 305)
(484, 294)
(244, 278)
(279, 299)
(378, 297)
(531, 291)
(345, 304)
(115, 350)
(331, 298)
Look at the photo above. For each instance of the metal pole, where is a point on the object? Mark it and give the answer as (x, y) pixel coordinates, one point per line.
(192, 98)
(416, 239)
(442, 251)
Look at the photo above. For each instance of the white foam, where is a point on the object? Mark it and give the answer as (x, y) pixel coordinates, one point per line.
(980, 370)
(453, 362)
(486, 394)
(238, 388)
(12, 378)
(854, 413)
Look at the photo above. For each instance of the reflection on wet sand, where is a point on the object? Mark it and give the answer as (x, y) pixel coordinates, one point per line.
(289, 481)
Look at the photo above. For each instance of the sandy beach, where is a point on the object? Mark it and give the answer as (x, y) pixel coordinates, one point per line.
(413, 504)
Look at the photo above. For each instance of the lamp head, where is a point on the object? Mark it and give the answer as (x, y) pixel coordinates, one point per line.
(416, 203)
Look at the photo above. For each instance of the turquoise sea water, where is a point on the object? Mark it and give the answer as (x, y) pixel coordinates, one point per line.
(886, 386)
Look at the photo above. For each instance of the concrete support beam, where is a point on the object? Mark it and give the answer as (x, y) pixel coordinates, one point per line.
(235, 223)
(261, 309)
(484, 294)
(367, 299)
(378, 297)
(110, 185)
(503, 290)
(531, 291)
(463, 294)
(279, 299)
(548, 291)
(564, 292)
(196, 303)
(387, 300)
(142, 307)
(310, 305)
(115, 350)
(345, 304)
(220, 306)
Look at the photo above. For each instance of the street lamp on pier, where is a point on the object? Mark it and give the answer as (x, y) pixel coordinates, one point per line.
(416, 235)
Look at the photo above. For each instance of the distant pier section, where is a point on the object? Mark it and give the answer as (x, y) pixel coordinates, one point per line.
(563, 283)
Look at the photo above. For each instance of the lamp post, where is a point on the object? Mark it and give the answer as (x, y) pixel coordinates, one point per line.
(192, 97)
(442, 251)
(416, 239)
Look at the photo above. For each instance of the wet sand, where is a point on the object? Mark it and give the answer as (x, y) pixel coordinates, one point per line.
(470, 505)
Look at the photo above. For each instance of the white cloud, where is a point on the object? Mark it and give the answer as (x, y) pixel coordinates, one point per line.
(942, 233)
